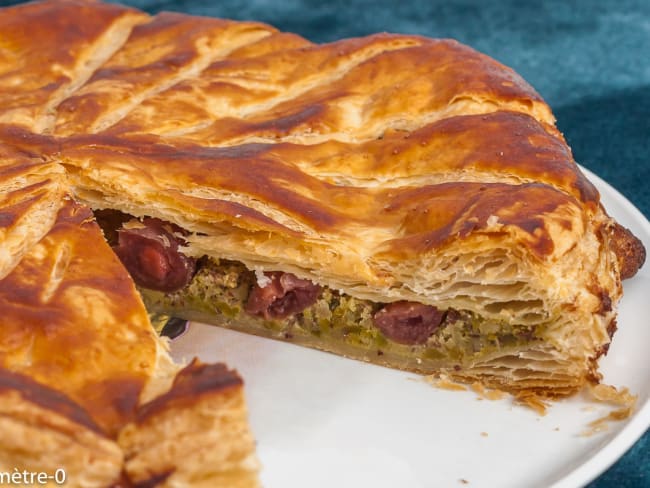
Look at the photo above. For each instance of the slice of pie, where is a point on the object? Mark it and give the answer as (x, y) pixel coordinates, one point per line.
(396, 199)
(87, 386)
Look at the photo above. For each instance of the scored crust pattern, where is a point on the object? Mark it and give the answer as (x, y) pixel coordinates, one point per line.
(389, 167)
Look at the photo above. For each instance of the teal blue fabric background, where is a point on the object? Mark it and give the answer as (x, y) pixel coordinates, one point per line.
(590, 60)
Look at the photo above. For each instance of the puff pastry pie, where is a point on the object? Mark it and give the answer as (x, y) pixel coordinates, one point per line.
(396, 199)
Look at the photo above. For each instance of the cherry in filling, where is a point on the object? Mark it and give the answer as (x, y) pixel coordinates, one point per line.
(284, 295)
(152, 257)
(408, 322)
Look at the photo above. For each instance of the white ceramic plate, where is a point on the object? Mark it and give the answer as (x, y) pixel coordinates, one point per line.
(324, 421)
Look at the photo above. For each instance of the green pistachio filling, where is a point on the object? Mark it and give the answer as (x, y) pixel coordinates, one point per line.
(219, 290)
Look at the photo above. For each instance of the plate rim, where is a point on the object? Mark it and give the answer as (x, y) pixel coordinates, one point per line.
(636, 427)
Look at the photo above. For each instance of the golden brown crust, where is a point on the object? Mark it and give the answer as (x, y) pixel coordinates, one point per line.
(47, 398)
(358, 131)
(138, 71)
(46, 431)
(193, 381)
(56, 287)
(203, 416)
(48, 53)
(389, 167)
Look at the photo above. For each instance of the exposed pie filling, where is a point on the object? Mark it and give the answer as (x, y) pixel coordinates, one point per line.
(283, 305)
(408, 322)
(282, 295)
(152, 256)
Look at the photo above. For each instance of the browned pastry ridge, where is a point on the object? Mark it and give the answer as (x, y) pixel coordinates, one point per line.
(397, 199)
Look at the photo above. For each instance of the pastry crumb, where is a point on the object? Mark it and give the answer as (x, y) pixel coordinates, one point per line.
(533, 401)
(487, 393)
(609, 394)
(443, 381)
(484, 434)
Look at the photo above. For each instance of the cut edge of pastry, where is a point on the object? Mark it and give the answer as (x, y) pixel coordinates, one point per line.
(57, 418)
(576, 335)
(196, 434)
